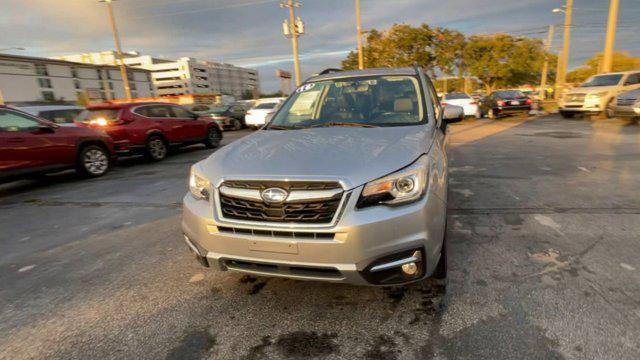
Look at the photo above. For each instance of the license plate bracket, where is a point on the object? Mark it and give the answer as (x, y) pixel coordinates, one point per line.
(282, 247)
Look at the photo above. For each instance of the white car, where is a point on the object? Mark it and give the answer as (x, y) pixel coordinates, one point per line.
(469, 104)
(60, 114)
(260, 114)
(598, 94)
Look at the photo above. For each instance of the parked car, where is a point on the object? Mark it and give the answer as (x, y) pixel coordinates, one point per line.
(227, 116)
(598, 93)
(469, 105)
(504, 102)
(260, 114)
(347, 183)
(30, 145)
(151, 128)
(62, 115)
(626, 104)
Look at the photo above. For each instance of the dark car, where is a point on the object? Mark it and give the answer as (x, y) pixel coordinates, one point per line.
(504, 102)
(228, 116)
(30, 145)
(150, 128)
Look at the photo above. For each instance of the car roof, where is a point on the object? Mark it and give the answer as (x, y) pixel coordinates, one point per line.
(36, 109)
(126, 105)
(365, 72)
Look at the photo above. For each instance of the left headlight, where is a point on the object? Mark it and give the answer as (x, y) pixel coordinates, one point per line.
(595, 97)
(198, 185)
(402, 187)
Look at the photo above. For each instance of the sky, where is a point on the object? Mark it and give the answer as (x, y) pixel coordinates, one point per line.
(249, 32)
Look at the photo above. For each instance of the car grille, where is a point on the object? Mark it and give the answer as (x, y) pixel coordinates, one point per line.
(277, 234)
(626, 101)
(573, 98)
(304, 211)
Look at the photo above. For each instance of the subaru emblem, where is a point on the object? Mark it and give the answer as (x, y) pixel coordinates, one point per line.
(274, 195)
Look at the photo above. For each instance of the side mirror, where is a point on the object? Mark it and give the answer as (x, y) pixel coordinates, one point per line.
(453, 114)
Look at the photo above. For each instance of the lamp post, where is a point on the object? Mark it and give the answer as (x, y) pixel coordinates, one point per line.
(563, 60)
(116, 38)
(545, 67)
(293, 28)
(607, 59)
(359, 34)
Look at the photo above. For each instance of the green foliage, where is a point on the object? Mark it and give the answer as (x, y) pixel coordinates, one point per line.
(499, 60)
(622, 61)
(502, 60)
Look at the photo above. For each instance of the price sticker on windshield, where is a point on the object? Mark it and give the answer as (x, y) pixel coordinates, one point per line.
(305, 87)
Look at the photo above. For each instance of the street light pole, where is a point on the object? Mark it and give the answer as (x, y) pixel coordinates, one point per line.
(564, 60)
(607, 60)
(545, 67)
(116, 38)
(291, 29)
(359, 31)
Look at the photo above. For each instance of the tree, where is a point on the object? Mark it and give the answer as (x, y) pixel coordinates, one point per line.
(622, 61)
(502, 60)
(449, 47)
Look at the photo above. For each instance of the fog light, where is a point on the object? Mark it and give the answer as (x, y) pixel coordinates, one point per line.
(410, 268)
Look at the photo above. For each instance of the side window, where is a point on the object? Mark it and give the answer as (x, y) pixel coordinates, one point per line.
(181, 113)
(14, 121)
(155, 111)
(60, 116)
(633, 79)
(435, 103)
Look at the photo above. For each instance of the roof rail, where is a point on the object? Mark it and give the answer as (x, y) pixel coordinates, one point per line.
(329, 70)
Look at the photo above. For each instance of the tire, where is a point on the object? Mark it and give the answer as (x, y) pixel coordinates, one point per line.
(213, 138)
(156, 148)
(491, 114)
(608, 111)
(93, 161)
(567, 115)
(441, 269)
(236, 124)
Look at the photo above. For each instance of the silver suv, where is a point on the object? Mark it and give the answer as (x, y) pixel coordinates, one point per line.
(346, 183)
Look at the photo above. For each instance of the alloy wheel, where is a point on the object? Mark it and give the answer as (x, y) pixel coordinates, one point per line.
(96, 162)
(157, 148)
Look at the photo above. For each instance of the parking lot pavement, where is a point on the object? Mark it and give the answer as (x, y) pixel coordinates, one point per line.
(543, 231)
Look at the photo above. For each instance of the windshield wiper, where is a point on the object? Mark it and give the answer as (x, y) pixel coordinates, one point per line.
(284, 127)
(335, 123)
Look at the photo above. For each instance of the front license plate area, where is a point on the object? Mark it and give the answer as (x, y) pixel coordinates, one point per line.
(282, 247)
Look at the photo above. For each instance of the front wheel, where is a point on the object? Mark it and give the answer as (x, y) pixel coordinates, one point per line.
(93, 161)
(236, 124)
(156, 148)
(608, 110)
(567, 115)
(441, 268)
(213, 138)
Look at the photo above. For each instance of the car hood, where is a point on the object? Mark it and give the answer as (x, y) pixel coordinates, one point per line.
(348, 154)
(592, 89)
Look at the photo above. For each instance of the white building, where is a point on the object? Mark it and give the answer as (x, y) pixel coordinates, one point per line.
(26, 79)
(183, 76)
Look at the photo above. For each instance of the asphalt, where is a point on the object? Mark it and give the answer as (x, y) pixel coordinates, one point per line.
(544, 224)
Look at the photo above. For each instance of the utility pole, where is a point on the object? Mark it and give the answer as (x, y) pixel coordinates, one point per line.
(545, 67)
(293, 29)
(607, 60)
(562, 69)
(359, 30)
(116, 38)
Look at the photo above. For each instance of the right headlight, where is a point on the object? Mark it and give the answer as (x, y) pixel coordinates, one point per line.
(402, 187)
(198, 185)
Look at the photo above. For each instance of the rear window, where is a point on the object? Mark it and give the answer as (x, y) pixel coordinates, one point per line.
(265, 106)
(457, 96)
(87, 115)
(510, 94)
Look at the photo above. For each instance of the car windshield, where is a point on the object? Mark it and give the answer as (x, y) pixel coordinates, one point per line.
(265, 106)
(218, 110)
(92, 114)
(362, 101)
(457, 96)
(603, 80)
(510, 94)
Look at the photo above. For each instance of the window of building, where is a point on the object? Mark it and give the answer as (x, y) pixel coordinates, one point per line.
(204, 78)
(74, 73)
(48, 96)
(132, 85)
(110, 85)
(44, 83)
(108, 74)
(150, 87)
(76, 84)
(41, 69)
(99, 72)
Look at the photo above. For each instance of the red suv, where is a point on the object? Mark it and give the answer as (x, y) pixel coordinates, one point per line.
(150, 128)
(30, 145)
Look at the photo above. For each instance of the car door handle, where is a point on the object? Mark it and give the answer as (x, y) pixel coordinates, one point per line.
(15, 140)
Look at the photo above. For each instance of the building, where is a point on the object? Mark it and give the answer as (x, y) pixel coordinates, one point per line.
(183, 76)
(27, 80)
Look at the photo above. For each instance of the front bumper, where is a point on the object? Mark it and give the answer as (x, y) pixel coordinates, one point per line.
(360, 238)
